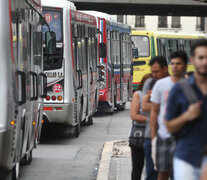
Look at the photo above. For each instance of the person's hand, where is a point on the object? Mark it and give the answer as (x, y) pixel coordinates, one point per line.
(193, 112)
(153, 153)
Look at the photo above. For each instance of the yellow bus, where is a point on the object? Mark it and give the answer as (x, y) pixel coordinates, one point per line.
(150, 44)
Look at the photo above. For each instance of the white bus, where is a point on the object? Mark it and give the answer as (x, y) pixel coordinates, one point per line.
(22, 83)
(72, 72)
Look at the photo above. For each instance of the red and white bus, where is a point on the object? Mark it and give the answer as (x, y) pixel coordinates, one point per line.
(72, 72)
(115, 64)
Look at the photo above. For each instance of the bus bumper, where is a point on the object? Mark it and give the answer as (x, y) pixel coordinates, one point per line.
(6, 149)
(103, 95)
(60, 113)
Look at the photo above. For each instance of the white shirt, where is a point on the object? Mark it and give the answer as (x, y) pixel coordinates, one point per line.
(159, 96)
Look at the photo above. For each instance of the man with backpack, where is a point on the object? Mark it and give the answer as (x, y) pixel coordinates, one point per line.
(187, 118)
(163, 143)
(159, 69)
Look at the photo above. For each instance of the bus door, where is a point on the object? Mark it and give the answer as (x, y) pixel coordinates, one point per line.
(85, 70)
(90, 89)
(24, 67)
(93, 69)
(38, 93)
(122, 60)
(117, 69)
(78, 56)
(111, 66)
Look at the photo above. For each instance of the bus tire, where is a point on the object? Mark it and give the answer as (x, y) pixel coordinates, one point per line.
(78, 128)
(115, 95)
(90, 120)
(121, 107)
(27, 159)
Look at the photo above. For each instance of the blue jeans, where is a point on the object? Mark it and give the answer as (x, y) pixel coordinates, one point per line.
(151, 174)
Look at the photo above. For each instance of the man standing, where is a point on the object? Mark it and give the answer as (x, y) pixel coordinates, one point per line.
(189, 121)
(162, 143)
(159, 69)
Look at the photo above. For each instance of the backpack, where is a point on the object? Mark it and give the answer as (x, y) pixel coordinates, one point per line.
(188, 91)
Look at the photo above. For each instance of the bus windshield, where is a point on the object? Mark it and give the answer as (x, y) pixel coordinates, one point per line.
(142, 43)
(53, 18)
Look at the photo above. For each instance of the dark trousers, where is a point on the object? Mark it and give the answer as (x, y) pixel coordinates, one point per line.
(151, 174)
(137, 155)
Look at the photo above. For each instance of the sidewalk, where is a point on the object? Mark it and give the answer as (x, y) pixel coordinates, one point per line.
(115, 162)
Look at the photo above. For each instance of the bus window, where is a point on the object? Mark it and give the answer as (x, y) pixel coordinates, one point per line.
(159, 47)
(90, 59)
(114, 48)
(174, 45)
(94, 49)
(124, 52)
(108, 47)
(181, 44)
(142, 43)
(170, 46)
(117, 48)
(74, 45)
(54, 19)
(164, 47)
(187, 47)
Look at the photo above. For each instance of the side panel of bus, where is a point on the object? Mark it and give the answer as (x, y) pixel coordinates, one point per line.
(22, 78)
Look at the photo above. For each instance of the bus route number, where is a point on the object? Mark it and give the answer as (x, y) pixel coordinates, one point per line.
(48, 18)
(57, 88)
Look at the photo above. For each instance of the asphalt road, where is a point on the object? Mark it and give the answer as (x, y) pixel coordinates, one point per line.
(76, 158)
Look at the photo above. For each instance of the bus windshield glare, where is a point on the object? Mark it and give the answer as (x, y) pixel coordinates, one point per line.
(142, 43)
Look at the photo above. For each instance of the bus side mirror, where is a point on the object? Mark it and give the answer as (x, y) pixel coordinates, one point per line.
(102, 50)
(50, 42)
(135, 53)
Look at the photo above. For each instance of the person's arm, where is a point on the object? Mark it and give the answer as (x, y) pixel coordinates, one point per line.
(146, 104)
(134, 111)
(155, 108)
(146, 96)
(193, 112)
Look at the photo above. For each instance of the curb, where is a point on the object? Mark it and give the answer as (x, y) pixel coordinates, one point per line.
(104, 165)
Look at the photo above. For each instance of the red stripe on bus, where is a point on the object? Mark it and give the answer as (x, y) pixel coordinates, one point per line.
(48, 108)
(136, 82)
(11, 35)
(72, 43)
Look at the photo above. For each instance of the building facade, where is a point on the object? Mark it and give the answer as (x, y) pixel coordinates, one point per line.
(165, 23)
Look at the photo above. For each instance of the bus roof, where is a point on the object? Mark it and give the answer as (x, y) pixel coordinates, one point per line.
(58, 4)
(168, 34)
(100, 15)
(179, 35)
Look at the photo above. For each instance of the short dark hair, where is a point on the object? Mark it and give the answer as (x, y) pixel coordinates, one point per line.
(160, 60)
(179, 54)
(198, 43)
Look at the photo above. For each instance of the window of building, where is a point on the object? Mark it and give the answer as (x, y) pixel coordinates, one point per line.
(162, 22)
(200, 23)
(176, 22)
(139, 21)
(120, 18)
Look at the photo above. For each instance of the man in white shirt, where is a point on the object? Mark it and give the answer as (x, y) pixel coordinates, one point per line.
(163, 143)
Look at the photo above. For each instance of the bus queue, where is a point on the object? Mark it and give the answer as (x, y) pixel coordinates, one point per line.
(61, 65)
